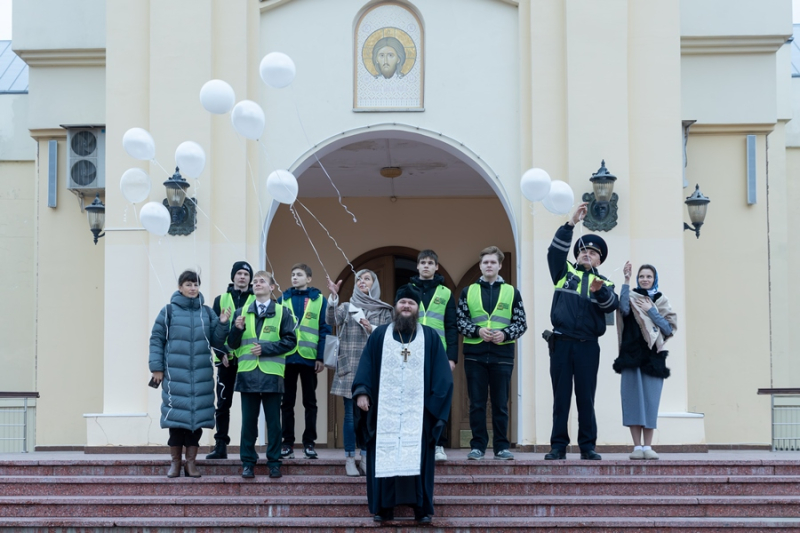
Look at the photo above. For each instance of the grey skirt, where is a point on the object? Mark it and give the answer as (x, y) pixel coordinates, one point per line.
(640, 395)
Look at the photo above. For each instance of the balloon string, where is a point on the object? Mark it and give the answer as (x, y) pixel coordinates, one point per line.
(300, 223)
(150, 259)
(308, 140)
(154, 160)
(330, 236)
(260, 207)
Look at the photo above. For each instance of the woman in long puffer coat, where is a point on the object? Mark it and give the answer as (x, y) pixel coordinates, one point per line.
(180, 360)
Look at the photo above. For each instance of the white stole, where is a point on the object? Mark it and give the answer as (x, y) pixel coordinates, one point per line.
(401, 405)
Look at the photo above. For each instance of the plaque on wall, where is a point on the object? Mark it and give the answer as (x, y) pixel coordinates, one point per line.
(388, 60)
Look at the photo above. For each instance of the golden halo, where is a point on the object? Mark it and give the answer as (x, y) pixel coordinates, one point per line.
(404, 38)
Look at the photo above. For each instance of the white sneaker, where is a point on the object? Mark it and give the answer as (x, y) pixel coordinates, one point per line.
(650, 455)
(637, 455)
(440, 455)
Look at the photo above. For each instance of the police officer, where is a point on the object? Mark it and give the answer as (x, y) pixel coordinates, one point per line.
(581, 301)
(239, 294)
(491, 318)
(437, 309)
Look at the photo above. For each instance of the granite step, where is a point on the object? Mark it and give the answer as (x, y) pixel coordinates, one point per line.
(322, 467)
(355, 506)
(440, 525)
(475, 485)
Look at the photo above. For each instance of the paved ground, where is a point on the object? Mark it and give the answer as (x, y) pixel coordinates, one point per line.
(460, 454)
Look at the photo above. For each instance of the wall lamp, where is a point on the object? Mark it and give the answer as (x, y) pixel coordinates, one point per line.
(602, 212)
(182, 213)
(96, 212)
(697, 204)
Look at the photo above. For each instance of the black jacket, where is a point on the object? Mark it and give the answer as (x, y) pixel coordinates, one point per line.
(428, 288)
(582, 314)
(489, 296)
(239, 297)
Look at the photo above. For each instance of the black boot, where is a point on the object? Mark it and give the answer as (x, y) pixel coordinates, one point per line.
(220, 451)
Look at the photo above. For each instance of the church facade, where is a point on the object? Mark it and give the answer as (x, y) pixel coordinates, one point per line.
(459, 97)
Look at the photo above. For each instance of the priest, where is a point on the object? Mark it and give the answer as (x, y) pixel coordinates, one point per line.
(402, 389)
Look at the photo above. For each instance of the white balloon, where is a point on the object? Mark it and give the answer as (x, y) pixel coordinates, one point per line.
(248, 119)
(217, 97)
(560, 199)
(277, 70)
(135, 185)
(155, 218)
(535, 184)
(282, 185)
(139, 144)
(190, 158)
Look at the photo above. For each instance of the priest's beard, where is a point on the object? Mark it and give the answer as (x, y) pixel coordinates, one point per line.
(405, 325)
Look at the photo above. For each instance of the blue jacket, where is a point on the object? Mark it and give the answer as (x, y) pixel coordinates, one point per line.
(298, 298)
(182, 350)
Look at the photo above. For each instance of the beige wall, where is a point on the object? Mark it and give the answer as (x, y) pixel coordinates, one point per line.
(69, 310)
(728, 293)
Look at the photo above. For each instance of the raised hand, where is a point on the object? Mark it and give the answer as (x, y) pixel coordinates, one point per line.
(596, 285)
(580, 213)
(225, 316)
(626, 271)
(334, 287)
(239, 322)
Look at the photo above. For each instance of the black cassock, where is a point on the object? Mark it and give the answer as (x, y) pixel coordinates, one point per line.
(386, 493)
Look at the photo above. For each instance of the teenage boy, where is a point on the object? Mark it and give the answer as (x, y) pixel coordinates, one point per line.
(239, 294)
(491, 318)
(437, 309)
(580, 303)
(306, 361)
(261, 337)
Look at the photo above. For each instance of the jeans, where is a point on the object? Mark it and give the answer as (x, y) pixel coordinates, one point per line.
(349, 430)
(486, 379)
(308, 380)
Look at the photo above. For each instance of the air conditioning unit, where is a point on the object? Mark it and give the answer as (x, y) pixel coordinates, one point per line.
(86, 160)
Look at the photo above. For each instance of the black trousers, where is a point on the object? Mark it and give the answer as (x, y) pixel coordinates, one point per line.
(484, 379)
(577, 361)
(308, 380)
(251, 407)
(184, 437)
(226, 378)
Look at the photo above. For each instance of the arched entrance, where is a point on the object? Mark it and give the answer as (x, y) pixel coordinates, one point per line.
(446, 198)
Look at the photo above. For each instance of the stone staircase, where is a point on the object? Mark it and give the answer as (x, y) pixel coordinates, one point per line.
(133, 494)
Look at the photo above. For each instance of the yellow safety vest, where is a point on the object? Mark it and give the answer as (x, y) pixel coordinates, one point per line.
(501, 315)
(226, 302)
(561, 285)
(308, 328)
(434, 315)
(270, 331)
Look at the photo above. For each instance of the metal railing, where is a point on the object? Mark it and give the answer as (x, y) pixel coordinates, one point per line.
(785, 408)
(25, 396)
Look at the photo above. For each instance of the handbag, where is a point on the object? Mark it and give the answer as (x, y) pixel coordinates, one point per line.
(331, 357)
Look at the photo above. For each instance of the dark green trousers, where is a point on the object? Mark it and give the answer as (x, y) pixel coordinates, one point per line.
(251, 406)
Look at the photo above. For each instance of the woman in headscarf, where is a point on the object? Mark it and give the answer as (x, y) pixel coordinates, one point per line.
(355, 320)
(645, 321)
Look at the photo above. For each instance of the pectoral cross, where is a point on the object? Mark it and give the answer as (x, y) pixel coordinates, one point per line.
(405, 353)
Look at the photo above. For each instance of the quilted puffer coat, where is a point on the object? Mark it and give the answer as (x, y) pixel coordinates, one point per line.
(181, 348)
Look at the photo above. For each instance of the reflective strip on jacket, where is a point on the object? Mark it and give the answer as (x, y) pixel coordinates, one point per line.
(270, 331)
(434, 315)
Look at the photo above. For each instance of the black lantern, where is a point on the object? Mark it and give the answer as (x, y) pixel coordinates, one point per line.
(697, 204)
(602, 211)
(183, 214)
(96, 212)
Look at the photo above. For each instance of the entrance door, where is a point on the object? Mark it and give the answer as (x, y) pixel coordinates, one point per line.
(459, 416)
(394, 266)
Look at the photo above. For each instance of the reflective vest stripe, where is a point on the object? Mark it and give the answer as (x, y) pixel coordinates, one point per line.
(501, 314)
(578, 290)
(433, 316)
(270, 331)
(308, 328)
